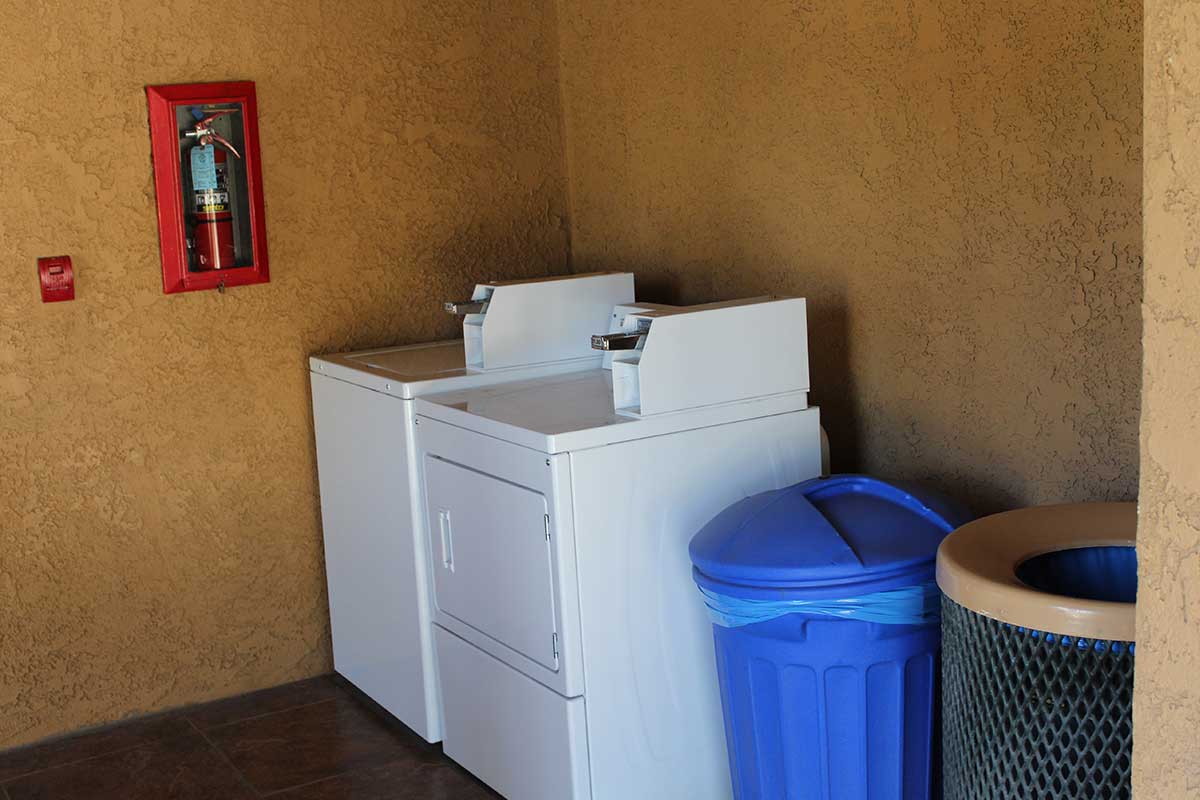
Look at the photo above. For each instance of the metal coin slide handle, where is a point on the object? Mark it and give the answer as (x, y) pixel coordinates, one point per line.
(460, 308)
(616, 341)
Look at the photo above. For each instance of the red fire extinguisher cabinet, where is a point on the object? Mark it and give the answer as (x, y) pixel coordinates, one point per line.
(208, 185)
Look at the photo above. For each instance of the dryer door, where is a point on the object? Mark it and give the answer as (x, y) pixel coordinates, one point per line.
(492, 562)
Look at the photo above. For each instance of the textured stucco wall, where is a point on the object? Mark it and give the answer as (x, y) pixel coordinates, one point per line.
(955, 186)
(159, 533)
(1166, 705)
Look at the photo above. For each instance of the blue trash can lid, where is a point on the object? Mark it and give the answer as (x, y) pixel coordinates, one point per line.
(821, 537)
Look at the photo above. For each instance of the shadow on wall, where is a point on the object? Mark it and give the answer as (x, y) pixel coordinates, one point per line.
(415, 301)
(1003, 489)
(845, 415)
(955, 188)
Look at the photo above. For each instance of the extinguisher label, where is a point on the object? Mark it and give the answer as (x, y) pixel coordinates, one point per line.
(204, 168)
(212, 202)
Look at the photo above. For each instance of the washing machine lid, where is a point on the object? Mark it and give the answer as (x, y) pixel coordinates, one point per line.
(408, 371)
(575, 411)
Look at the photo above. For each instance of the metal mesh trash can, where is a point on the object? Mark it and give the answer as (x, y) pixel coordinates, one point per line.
(1038, 652)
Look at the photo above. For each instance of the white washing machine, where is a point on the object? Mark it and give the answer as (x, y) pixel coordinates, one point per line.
(373, 522)
(574, 651)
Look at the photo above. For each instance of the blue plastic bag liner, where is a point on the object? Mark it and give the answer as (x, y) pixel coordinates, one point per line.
(910, 605)
(848, 536)
(1078, 642)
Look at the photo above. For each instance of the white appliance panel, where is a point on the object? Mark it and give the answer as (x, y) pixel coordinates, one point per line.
(514, 734)
(751, 348)
(412, 370)
(560, 413)
(378, 597)
(492, 567)
(545, 476)
(512, 331)
(655, 727)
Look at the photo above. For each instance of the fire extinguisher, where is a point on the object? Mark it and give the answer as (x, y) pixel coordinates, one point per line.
(213, 216)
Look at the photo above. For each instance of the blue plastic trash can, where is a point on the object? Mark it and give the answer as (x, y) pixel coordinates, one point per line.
(825, 619)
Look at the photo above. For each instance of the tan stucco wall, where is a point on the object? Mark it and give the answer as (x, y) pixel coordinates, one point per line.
(1167, 691)
(954, 186)
(159, 534)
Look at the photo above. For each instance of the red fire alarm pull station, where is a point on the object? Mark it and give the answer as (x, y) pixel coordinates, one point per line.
(208, 184)
(57, 278)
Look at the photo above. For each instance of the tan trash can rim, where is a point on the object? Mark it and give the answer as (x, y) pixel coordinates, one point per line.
(976, 567)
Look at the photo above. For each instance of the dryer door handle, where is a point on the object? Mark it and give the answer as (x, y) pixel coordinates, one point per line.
(447, 539)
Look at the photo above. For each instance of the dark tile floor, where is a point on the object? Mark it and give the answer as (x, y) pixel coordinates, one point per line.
(318, 739)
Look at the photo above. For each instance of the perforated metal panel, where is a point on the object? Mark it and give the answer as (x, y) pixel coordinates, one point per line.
(1033, 715)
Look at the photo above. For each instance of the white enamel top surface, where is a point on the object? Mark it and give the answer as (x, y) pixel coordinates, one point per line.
(406, 372)
(575, 411)
(546, 405)
(421, 362)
